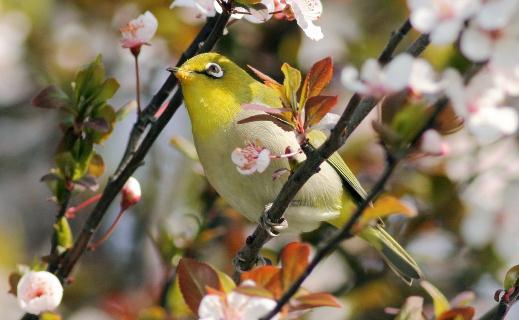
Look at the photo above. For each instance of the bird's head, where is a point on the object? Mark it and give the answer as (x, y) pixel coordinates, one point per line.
(214, 88)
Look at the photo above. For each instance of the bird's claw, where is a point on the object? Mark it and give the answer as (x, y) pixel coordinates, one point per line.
(273, 228)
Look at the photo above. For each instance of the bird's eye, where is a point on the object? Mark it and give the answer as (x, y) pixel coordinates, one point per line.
(213, 70)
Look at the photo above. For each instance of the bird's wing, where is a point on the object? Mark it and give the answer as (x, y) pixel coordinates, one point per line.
(350, 182)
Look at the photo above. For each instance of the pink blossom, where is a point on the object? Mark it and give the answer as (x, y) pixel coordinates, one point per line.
(39, 291)
(205, 8)
(442, 19)
(250, 159)
(139, 31)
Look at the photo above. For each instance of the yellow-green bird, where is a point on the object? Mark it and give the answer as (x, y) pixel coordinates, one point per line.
(214, 90)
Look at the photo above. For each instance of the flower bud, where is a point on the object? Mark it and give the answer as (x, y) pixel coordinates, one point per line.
(131, 193)
(39, 291)
(139, 31)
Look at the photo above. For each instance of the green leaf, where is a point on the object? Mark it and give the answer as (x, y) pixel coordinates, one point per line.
(226, 283)
(96, 166)
(123, 111)
(412, 309)
(89, 79)
(107, 90)
(107, 113)
(511, 278)
(441, 304)
(194, 277)
(176, 303)
(409, 121)
(292, 82)
(64, 237)
(317, 79)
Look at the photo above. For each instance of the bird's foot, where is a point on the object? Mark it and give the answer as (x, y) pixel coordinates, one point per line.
(273, 227)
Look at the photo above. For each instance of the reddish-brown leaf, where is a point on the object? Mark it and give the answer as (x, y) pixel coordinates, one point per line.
(194, 277)
(266, 79)
(448, 121)
(268, 277)
(317, 107)
(466, 313)
(294, 259)
(317, 79)
(50, 98)
(314, 300)
(276, 119)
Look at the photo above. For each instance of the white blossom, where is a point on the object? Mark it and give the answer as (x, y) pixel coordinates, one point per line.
(442, 19)
(139, 31)
(432, 143)
(250, 159)
(402, 72)
(481, 104)
(234, 306)
(39, 291)
(205, 8)
(306, 12)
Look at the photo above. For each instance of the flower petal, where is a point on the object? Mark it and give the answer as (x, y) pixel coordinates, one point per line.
(476, 44)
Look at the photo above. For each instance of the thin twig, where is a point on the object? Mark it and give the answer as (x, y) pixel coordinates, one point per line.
(137, 83)
(356, 110)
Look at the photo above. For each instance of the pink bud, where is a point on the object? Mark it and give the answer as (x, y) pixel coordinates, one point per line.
(39, 291)
(131, 193)
(432, 144)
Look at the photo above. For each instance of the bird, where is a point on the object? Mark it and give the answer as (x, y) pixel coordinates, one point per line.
(214, 90)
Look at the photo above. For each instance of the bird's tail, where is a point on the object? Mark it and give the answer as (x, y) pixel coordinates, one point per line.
(396, 257)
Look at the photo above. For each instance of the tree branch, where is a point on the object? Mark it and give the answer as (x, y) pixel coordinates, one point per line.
(134, 159)
(356, 110)
(500, 310)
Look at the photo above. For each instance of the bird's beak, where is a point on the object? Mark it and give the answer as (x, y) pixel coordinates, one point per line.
(180, 73)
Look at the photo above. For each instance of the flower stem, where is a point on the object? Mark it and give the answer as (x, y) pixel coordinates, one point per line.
(137, 83)
(108, 233)
(71, 212)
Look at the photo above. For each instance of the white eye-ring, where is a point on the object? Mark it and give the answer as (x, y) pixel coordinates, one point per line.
(213, 70)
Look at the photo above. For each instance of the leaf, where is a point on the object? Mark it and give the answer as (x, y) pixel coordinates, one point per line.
(294, 259)
(315, 300)
(175, 301)
(88, 80)
(153, 313)
(14, 278)
(266, 79)
(269, 82)
(264, 108)
(283, 124)
(49, 177)
(447, 121)
(255, 292)
(96, 166)
(87, 182)
(123, 111)
(259, 11)
(268, 277)
(317, 107)
(441, 304)
(185, 147)
(107, 113)
(464, 313)
(64, 237)
(412, 309)
(292, 82)
(50, 316)
(227, 284)
(107, 90)
(193, 278)
(409, 121)
(97, 124)
(511, 278)
(384, 207)
(51, 98)
(317, 79)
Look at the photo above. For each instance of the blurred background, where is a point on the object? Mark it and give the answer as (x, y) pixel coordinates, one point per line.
(464, 236)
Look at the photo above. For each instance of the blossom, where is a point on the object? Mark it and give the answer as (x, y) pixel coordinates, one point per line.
(481, 104)
(250, 159)
(433, 144)
(39, 291)
(131, 193)
(305, 12)
(234, 306)
(442, 19)
(402, 72)
(253, 15)
(139, 31)
(206, 8)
